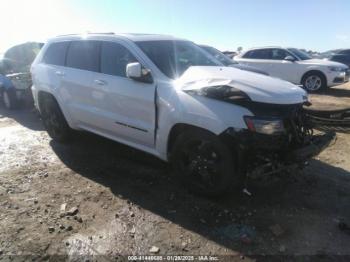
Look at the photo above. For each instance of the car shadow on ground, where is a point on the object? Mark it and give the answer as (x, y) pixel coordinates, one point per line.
(337, 92)
(321, 191)
(25, 116)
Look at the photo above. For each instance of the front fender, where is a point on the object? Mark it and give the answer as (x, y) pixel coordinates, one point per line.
(323, 70)
(206, 113)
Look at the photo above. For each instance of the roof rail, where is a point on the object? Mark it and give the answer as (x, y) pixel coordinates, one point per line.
(67, 35)
(93, 33)
(101, 33)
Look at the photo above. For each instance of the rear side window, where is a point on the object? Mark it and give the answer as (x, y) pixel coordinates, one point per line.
(258, 54)
(84, 55)
(114, 58)
(56, 54)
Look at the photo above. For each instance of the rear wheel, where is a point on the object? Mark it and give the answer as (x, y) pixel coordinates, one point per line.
(54, 120)
(205, 164)
(9, 99)
(314, 82)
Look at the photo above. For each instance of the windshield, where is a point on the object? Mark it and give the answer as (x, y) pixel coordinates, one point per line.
(173, 58)
(300, 54)
(219, 56)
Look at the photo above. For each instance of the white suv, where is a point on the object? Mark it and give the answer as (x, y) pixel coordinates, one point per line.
(169, 98)
(296, 66)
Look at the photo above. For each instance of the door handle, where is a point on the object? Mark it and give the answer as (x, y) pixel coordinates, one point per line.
(59, 73)
(100, 82)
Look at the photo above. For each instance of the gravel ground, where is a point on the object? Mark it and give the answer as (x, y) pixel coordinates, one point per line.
(99, 198)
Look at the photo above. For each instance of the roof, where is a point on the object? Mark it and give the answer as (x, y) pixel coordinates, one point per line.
(131, 36)
(264, 47)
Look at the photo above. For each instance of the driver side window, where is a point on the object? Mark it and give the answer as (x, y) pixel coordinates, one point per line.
(279, 54)
(114, 58)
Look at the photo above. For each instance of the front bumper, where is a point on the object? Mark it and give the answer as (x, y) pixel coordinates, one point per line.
(340, 77)
(258, 149)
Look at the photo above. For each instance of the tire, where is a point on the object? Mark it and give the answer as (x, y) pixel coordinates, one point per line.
(9, 99)
(204, 163)
(314, 82)
(54, 120)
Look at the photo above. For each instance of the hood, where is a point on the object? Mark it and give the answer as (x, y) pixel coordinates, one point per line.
(322, 62)
(249, 68)
(257, 87)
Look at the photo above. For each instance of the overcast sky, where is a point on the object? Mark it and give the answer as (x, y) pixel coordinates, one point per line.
(226, 24)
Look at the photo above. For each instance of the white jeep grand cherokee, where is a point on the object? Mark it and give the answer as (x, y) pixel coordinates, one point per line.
(296, 66)
(169, 98)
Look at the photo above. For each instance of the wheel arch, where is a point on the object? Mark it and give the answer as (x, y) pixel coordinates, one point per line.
(44, 94)
(313, 71)
(179, 128)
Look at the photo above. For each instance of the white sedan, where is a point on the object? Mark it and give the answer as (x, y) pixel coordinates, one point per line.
(296, 66)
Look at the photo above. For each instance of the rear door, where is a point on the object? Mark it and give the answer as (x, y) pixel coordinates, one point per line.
(47, 74)
(129, 105)
(77, 88)
(259, 58)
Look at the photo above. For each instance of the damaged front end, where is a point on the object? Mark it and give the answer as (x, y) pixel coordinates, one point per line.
(285, 138)
(277, 136)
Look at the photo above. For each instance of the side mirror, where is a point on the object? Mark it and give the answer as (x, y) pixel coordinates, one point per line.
(289, 58)
(136, 72)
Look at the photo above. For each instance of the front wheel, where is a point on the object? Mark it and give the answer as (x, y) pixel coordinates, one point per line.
(206, 165)
(314, 82)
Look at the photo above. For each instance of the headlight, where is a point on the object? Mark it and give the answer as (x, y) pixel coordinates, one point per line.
(221, 92)
(336, 69)
(264, 126)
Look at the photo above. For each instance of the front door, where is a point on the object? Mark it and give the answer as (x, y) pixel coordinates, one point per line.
(283, 69)
(129, 106)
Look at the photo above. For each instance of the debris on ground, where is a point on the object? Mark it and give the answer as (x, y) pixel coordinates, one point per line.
(282, 249)
(154, 249)
(277, 230)
(63, 208)
(245, 191)
(72, 212)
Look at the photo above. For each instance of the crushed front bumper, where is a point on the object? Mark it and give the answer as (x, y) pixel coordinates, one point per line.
(275, 152)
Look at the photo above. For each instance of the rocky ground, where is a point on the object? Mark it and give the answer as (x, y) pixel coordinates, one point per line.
(99, 198)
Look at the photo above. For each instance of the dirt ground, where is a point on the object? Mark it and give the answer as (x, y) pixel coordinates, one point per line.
(99, 199)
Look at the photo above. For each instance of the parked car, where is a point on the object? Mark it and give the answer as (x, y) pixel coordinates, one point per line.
(14, 89)
(7, 92)
(230, 54)
(168, 97)
(15, 79)
(341, 58)
(224, 59)
(344, 52)
(297, 67)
